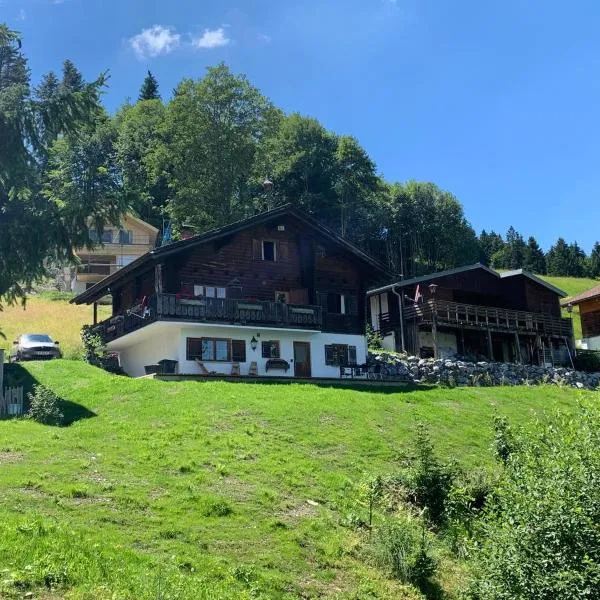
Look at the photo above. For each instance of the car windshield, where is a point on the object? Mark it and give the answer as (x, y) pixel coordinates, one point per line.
(37, 337)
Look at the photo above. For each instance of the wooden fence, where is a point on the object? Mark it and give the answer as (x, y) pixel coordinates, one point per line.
(11, 402)
(11, 399)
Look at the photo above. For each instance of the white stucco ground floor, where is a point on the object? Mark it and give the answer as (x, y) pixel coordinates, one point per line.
(308, 353)
(589, 343)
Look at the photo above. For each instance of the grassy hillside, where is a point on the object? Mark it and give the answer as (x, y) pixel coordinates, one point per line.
(573, 286)
(48, 313)
(220, 490)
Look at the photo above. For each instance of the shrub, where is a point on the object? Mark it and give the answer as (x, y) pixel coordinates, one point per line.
(95, 353)
(504, 440)
(44, 406)
(429, 480)
(539, 536)
(374, 338)
(401, 547)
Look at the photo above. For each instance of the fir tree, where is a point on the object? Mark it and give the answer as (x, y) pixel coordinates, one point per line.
(534, 258)
(72, 80)
(149, 89)
(594, 261)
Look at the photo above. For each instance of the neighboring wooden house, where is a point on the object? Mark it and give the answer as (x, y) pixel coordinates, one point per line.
(275, 294)
(476, 313)
(589, 313)
(119, 246)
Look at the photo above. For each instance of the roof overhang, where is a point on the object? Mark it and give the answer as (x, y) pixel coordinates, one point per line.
(534, 278)
(157, 255)
(437, 275)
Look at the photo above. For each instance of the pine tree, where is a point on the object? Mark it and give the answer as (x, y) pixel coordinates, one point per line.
(534, 258)
(512, 254)
(489, 244)
(149, 89)
(559, 258)
(72, 79)
(594, 261)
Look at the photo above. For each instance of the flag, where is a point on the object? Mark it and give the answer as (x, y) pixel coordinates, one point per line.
(418, 295)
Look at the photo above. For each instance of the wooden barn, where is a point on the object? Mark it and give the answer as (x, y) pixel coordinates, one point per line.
(475, 313)
(589, 313)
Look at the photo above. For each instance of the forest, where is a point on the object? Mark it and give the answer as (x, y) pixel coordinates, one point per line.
(212, 151)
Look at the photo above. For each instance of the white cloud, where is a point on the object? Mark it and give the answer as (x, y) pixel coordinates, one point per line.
(211, 38)
(154, 41)
(22, 15)
(263, 37)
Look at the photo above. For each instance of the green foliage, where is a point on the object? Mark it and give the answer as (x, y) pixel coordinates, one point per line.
(539, 537)
(44, 406)
(401, 546)
(505, 443)
(588, 361)
(429, 480)
(149, 89)
(374, 338)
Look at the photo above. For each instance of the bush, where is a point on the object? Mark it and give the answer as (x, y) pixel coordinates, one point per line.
(401, 547)
(539, 537)
(505, 443)
(44, 406)
(429, 480)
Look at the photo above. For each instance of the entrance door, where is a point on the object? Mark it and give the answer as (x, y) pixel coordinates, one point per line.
(302, 359)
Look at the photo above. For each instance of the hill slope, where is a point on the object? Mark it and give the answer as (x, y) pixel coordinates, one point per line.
(572, 286)
(49, 313)
(219, 490)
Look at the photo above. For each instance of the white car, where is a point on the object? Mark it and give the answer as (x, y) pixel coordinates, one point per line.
(34, 346)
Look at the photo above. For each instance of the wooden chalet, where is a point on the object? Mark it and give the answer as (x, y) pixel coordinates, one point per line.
(589, 313)
(274, 294)
(475, 313)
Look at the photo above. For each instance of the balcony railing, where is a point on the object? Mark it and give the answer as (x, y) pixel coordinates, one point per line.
(484, 317)
(169, 307)
(102, 269)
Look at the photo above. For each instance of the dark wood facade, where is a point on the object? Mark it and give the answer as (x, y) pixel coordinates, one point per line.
(509, 317)
(289, 271)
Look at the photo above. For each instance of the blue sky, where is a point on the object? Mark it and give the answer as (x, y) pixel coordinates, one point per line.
(497, 102)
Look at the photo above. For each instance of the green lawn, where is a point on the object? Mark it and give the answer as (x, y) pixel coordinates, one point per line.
(219, 490)
(572, 286)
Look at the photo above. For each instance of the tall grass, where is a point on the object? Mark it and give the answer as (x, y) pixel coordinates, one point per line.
(49, 313)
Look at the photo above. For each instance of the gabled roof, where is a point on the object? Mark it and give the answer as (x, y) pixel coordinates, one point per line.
(143, 224)
(158, 254)
(431, 276)
(590, 294)
(440, 274)
(534, 278)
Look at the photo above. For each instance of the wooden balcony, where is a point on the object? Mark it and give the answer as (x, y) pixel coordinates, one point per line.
(471, 316)
(169, 307)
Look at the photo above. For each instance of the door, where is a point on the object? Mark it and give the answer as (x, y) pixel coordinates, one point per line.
(301, 359)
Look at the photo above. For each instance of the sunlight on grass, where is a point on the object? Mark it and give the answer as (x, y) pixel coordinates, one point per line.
(222, 490)
(56, 317)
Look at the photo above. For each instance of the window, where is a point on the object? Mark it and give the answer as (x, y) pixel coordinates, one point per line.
(268, 250)
(238, 350)
(270, 349)
(341, 304)
(340, 354)
(211, 349)
(334, 303)
(106, 236)
(210, 291)
(125, 237)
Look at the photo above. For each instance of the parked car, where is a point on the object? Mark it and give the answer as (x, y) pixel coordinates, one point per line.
(34, 346)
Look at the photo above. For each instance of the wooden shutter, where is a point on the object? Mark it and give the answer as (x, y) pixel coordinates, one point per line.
(282, 251)
(351, 355)
(256, 250)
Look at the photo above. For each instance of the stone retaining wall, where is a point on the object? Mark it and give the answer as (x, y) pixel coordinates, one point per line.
(453, 372)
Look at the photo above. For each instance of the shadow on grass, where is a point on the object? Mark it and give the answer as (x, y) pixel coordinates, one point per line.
(15, 375)
(432, 590)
